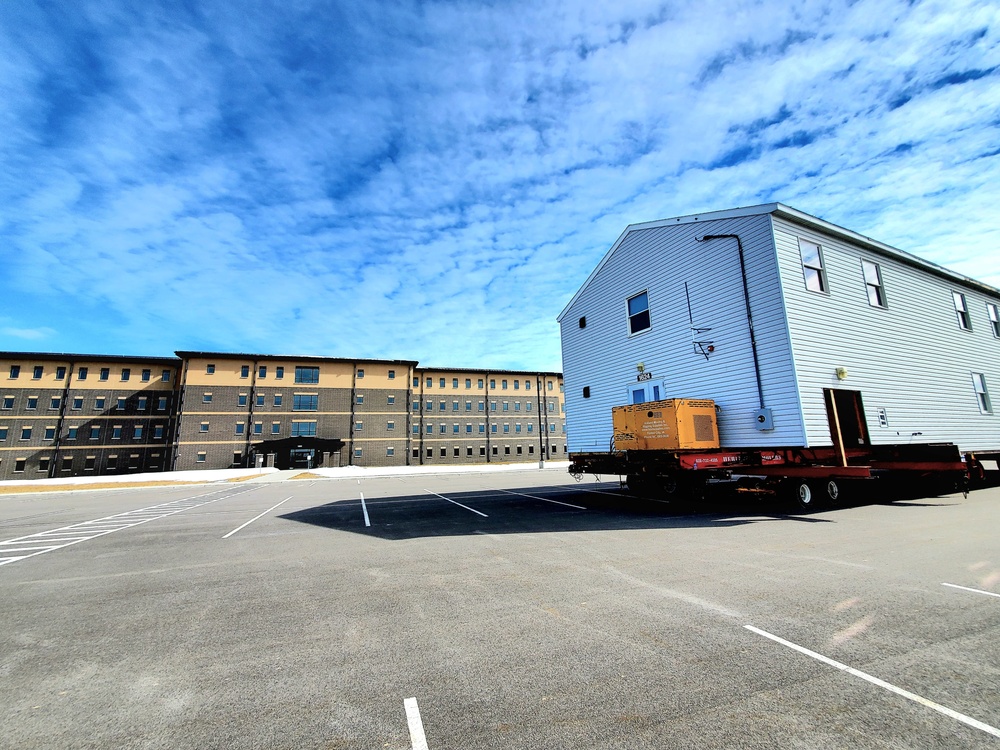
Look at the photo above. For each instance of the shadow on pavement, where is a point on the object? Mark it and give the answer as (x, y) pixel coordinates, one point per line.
(535, 510)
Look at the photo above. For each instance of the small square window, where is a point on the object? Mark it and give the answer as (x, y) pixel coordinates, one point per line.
(210, 369)
(95, 432)
(260, 399)
(360, 399)
(137, 432)
(77, 402)
(206, 398)
(54, 402)
(120, 403)
(203, 427)
(245, 371)
(358, 426)
(165, 376)
(392, 374)
(361, 373)
(390, 451)
(357, 453)
(279, 372)
(240, 428)
(8, 402)
(262, 371)
(143, 401)
(480, 383)
(158, 432)
(81, 374)
(258, 428)
(37, 372)
(276, 428)
(241, 400)
(442, 382)
(105, 373)
(468, 383)
(26, 433)
(15, 372)
(50, 433)
(161, 403)
(416, 382)
(126, 374)
(390, 425)
(147, 375)
(277, 399)
(390, 399)
(503, 384)
(200, 457)
(454, 382)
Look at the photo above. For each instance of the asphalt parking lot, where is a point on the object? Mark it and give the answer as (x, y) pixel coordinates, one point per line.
(515, 610)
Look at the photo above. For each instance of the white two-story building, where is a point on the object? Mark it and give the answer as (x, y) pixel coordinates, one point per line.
(791, 324)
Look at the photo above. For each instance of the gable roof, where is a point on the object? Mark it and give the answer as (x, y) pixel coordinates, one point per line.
(798, 217)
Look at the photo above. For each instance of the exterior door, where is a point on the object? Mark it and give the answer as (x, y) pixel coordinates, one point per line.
(846, 414)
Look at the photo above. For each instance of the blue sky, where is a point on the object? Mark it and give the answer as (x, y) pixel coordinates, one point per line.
(435, 180)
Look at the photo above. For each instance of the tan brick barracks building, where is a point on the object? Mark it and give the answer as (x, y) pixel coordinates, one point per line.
(88, 415)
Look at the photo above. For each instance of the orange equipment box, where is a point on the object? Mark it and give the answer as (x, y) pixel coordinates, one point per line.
(673, 424)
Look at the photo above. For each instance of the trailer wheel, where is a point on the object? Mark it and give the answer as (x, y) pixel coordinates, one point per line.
(802, 494)
(833, 491)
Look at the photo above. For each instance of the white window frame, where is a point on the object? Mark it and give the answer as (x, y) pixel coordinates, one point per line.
(993, 313)
(877, 286)
(962, 311)
(982, 393)
(820, 269)
(629, 315)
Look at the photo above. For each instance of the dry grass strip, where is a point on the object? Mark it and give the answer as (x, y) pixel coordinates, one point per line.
(21, 489)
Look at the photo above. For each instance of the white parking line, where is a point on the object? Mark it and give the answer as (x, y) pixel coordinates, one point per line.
(417, 738)
(881, 683)
(256, 517)
(544, 499)
(975, 591)
(458, 504)
(364, 509)
(24, 547)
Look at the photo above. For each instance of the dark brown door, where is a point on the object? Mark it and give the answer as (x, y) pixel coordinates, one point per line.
(845, 411)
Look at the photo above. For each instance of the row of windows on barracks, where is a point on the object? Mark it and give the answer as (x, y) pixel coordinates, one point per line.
(65, 415)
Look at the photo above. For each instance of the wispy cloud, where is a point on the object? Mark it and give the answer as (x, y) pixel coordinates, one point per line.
(435, 180)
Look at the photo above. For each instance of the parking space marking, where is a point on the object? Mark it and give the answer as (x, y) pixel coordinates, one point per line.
(417, 737)
(24, 547)
(456, 503)
(544, 499)
(968, 720)
(364, 509)
(975, 591)
(256, 517)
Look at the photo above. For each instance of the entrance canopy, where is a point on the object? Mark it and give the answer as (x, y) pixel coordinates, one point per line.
(287, 450)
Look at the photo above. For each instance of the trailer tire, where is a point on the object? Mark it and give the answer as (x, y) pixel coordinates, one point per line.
(801, 493)
(833, 491)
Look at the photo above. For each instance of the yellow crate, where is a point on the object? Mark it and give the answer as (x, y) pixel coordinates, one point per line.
(673, 424)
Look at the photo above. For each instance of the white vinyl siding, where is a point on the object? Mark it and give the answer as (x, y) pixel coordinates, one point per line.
(910, 359)
(660, 259)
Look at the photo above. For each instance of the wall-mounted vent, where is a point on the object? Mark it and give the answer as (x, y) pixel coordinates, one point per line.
(586, 391)
(583, 322)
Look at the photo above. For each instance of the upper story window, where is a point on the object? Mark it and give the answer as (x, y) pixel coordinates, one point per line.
(15, 372)
(873, 283)
(210, 369)
(812, 266)
(38, 372)
(305, 402)
(81, 374)
(105, 373)
(441, 380)
(454, 382)
(361, 373)
(638, 313)
(244, 371)
(126, 374)
(306, 374)
(392, 374)
(165, 376)
(962, 311)
(147, 375)
(279, 372)
(994, 315)
(262, 371)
